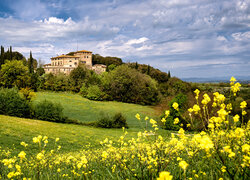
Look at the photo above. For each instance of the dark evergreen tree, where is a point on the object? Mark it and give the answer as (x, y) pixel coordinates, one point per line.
(31, 64)
(10, 53)
(148, 70)
(2, 56)
(169, 75)
(136, 65)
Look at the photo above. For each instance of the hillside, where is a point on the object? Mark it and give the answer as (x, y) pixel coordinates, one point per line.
(79, 108)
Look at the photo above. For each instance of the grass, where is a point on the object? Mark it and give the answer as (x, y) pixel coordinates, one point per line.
(14, 130)
(84, 110)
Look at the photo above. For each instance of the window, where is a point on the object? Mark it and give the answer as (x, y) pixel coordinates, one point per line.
(75, 63)
(70, 65)
(70, 61)
(84, 62)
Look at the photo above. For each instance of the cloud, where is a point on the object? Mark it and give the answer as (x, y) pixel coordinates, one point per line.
(175, 33)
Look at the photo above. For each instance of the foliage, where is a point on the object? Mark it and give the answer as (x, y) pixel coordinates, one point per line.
(48, 111)
(117, 121)
(77, 77)
(97, 59)
(14, 73)
(94, 93)
(27, 93)
(11, 103)
(40, 71)
(219, 152)
(128, 85)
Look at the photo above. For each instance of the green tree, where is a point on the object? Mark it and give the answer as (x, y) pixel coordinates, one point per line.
(31, 64)
(2, 56)
(128, 85)
(14, 73)
(77, 77)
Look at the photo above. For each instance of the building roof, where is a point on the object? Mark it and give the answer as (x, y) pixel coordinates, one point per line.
(84, 51)
(64, 56)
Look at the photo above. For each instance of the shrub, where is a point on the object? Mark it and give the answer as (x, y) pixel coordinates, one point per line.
(117, 121)
(12, 104)
(48, 111)
(94, 93)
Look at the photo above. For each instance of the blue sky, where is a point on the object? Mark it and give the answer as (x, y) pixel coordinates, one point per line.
(191, 38)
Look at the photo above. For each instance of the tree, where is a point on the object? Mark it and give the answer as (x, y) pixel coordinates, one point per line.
(136, 65)
(148, 70)
(77, 77)
(2, 56)
(31, 64)
(10, 52)
(169, 75)
(14, 73)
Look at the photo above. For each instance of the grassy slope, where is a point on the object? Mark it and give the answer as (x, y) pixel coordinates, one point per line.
(77, 107)
(14, 130)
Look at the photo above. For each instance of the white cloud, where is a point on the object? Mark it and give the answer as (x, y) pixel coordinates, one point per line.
(137, 41)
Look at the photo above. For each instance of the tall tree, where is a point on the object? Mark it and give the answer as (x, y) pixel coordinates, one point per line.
(169, 75)
(148, 70)
(2, 56)
(31, 64)
(10, 53)
(136, 65)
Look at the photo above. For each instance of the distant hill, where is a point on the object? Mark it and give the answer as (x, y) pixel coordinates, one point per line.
(241, 79)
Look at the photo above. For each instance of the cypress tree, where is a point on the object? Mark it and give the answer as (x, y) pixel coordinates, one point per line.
(31, 64)
(136, 65)
(148, 70)
(2, 56)
(169, 75)
(10, 53)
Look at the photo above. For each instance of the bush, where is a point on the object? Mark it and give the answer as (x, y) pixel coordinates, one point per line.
(49, 111)
(94, 93)
(117, 121)
(12, 104)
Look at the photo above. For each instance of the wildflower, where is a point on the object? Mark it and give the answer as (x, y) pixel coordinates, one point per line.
(183, 165)
(223, 169)
(163, 120)
(196, 108)
(190, 110)
(197, 92)
(11, 174)
(245, 148)
(22, 155)
(243, 104)
(244, 113)
(175, 105)
(206, 99)
(188, 125)
(138, 116)
(164, 175)
(236, 118)
(167, 113)
(232, 79)
(146, 118)
(24, 144)
(40, 156)
(176, 120)
(152, 121)
(57, 139)
(36, 140)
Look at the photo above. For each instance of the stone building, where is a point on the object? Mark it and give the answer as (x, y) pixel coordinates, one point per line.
(66, 63)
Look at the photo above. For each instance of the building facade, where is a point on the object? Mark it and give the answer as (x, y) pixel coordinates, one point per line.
(66, 63)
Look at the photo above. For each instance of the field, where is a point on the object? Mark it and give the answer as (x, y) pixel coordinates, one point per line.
(84, 110)
(74, 137)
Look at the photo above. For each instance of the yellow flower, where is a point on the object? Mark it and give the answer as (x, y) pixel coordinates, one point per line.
(164, 175)
(152, 121)
(206, 99)
(196, 108)
(188, 125)
(146, 118)
(35, 140)
(223, 168)
(232, 79)
(57, 139)
(175, 105)
(138, 116)
(24, 144)
(243, 104)
(183, 165)
(197, 92)
(163, 120)
(236, 118)
(245, 148)
(167, 113)
(22, 155)
(40, 156)
(176, 120)
(244, 113)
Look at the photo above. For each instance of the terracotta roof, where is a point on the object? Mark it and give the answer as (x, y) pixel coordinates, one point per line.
(64, 56)
(47, 64)
(84, 51)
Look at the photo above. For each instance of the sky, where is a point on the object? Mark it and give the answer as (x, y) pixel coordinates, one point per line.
(189, 38)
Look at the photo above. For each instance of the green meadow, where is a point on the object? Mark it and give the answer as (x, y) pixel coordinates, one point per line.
(84, 110)
(73, 137)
